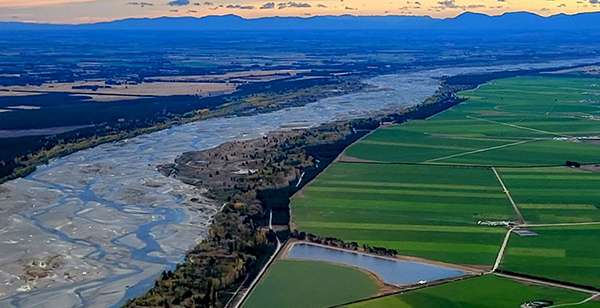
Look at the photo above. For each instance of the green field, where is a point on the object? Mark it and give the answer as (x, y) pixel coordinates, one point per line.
(431, 209)
(555, 195)
(422, 211)
(567, 254)
(511, 122)
(482, 292)
(306, 284)
(439, 182)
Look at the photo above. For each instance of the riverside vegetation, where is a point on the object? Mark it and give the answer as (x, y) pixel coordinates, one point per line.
(269, 171)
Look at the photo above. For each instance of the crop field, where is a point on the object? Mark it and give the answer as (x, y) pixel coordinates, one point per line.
(431, 209)
(482, 292)
(524, 121)
(306, 284)
(421, 188)
(568, 254)
(424, 211)
(555, 195)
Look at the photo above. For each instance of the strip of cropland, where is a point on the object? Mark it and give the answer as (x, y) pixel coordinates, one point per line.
(307, 284)
(428, 188)
(555, 195)
(517, 122)
(422, 211)
(564, 253)
(482, 292)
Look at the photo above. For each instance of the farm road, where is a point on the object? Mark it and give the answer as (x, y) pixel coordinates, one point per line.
(521, 219)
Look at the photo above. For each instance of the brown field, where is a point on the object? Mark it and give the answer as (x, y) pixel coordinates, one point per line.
(118, 92)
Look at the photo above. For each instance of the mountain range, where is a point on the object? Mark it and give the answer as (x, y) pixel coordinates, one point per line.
(519, 21)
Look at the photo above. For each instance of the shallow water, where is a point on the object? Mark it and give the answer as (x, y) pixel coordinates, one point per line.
(391, 271)
(116, 223)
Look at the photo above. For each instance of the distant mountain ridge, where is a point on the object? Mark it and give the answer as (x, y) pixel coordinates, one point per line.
(519, 21)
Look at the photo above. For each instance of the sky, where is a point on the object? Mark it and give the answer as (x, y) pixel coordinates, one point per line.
(89, 11)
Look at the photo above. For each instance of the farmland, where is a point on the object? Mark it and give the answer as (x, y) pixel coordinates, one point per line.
(408, 208)
(305, 284)
(559, 253)
(424, 188)
(524, 121)
(483, 292)
(555, 195)
(431, 209)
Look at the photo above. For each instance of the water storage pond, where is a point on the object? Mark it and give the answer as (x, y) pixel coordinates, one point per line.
(395, 272)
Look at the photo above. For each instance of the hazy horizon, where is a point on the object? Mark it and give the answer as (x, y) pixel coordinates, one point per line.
(91, 11)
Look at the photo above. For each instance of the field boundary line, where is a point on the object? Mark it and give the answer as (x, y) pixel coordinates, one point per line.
(516, 208)
(547, 283)
(520, 127)
(341, 160)
(408, 289)
(574, 224)
(481, 150)
(589, 299)
(502, 250)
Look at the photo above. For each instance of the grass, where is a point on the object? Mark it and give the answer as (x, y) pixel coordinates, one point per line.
(423, 211)
(307, 284)
(482, 292)
(512, 122)
(431, 209)
(569, 254)
(555, 195)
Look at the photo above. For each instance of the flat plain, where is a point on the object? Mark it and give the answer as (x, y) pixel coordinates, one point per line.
(423, 188)
(307, 284)
(523, 121)
(555, 195)
(568, 254)
(408, 208)
(482, 292)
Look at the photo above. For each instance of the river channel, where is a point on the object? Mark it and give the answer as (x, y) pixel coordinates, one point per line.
(95, 228)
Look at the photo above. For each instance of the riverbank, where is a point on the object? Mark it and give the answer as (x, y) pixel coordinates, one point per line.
(260, 174)
(247, 105)
(124, 174)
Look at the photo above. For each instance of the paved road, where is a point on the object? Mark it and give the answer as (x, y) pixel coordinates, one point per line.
(262, 272)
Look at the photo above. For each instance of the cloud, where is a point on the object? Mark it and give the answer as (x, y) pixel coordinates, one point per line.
(268, 6)
(179, 3)
(448, 4)
(241, 7)
(296, 4)
(451, 4)
(292, 4)
(142, 4)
